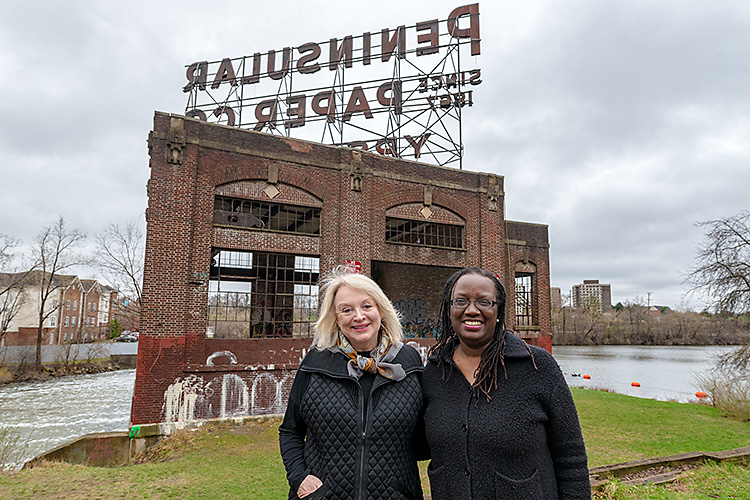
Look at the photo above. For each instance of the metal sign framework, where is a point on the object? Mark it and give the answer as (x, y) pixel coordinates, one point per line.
(411, 111)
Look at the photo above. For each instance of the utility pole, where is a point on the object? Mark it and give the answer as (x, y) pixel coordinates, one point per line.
(649, 300)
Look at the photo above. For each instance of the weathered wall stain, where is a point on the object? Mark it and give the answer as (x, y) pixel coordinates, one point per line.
(227, 395)
(102, 452)
(234, 396)
(221, 354)
(186, 399)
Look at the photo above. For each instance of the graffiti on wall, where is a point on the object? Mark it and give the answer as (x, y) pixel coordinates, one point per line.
(414, 319)
(226, 395)
(421, 349)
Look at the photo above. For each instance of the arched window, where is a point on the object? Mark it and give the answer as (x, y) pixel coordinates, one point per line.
(527, 309)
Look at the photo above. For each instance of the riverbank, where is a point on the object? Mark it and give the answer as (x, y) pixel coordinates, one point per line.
(29, 373)
(242, 461)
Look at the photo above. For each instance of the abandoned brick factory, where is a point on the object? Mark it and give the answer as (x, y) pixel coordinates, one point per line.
(240, 226)
(243, 219)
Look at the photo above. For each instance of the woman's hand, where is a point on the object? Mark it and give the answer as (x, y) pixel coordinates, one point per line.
(309, 485)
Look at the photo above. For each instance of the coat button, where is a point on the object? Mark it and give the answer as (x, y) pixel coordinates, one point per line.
(467, 471)
(464, 428)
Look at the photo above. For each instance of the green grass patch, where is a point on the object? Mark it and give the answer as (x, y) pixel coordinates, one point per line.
(619, 428)
(243, 461)
(708, 482)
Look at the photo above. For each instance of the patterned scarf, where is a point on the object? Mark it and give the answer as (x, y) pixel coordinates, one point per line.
(378, 362)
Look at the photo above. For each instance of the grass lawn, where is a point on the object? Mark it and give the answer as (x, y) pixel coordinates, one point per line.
(243, 462)
(619, 428)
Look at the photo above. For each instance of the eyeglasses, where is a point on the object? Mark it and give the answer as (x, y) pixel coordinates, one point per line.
(483, 304)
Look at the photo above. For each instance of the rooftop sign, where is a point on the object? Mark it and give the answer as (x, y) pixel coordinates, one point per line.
(398, 91)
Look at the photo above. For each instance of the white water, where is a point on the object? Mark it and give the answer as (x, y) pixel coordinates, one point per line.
(50, 413)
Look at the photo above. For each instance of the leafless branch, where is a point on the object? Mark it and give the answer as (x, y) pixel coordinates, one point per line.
(120, 252)
(722, 273)
(55, 251)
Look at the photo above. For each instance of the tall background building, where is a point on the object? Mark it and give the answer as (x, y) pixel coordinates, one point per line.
(592, 293)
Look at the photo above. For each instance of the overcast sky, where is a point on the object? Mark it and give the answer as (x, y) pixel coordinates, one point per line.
(617, 123)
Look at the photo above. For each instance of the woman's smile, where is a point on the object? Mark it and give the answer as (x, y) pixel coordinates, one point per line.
(474, 325)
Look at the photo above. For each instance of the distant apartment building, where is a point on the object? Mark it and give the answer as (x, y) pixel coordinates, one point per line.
(78, 310)
(591, 293)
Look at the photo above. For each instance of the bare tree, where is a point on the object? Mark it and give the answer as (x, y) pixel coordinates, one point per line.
(11, 301)
(12, 283)
(6, 246)
(120, 255)
(722, 274)
(55, 251)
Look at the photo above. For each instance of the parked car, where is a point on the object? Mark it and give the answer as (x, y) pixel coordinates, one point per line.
(127, 337)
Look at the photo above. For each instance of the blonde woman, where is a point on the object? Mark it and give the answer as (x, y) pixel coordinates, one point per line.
(356, 402)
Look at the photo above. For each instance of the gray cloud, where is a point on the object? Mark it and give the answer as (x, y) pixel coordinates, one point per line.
(619, 124)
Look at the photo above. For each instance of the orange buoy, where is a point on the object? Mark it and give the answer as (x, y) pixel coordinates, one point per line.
(701, 394)
(635, 384)
(587, 376)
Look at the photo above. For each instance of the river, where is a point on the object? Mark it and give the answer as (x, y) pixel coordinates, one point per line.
(48, 414)
(665, 373)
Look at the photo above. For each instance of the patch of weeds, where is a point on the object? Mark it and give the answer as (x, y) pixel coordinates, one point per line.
(176, 445)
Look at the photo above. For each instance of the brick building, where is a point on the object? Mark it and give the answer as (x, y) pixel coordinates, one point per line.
(78, 310)
(240, 226)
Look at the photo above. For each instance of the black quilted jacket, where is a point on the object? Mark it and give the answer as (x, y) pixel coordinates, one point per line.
(324, 432)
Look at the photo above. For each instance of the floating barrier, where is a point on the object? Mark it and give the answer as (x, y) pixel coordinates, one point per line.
(587, 376)
(701, 394)
(635, 384)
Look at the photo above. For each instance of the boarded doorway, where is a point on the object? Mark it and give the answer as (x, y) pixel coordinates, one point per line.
(416, 292)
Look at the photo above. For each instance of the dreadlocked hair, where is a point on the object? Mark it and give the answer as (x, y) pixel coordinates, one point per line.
(494, 354)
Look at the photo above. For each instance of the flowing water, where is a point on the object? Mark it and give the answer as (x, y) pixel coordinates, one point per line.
(48, 414)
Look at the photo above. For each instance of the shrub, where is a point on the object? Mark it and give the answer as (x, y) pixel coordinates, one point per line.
(728, 383)
(115, 328)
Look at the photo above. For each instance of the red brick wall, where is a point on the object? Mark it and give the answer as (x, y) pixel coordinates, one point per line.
(69, 296)
(528, 246)
(183, 375)
(26, 336)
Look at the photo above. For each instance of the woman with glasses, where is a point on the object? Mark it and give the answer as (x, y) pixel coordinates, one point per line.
(355, 406)
(499, 417)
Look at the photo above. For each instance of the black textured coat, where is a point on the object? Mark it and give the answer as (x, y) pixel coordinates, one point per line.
(324, 432)
(525, 443)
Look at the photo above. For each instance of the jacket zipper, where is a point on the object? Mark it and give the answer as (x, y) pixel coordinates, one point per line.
(364, 437)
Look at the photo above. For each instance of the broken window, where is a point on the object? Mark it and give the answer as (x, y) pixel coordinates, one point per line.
(266, 216)
(256, 294)
(524, 299)
(431, 234)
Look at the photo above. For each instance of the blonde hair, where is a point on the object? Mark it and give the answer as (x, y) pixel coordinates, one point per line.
(326, 328)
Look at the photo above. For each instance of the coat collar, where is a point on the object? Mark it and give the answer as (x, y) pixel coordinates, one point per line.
(333, 362)
(515, 348)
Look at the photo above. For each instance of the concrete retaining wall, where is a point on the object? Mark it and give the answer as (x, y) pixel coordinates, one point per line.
(103, 449)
